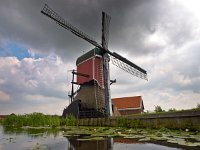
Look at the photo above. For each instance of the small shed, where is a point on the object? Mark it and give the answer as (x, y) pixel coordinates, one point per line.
(127, 105)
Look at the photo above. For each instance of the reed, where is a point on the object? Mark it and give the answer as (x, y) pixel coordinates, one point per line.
(38, 120)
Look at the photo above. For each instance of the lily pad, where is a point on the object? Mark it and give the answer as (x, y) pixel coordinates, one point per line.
(91, 139)
(158, 138)
(144, 139)
(134, 136)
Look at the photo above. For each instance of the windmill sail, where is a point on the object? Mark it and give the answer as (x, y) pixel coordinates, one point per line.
(128, 66)
(105, 29)
(62, 22)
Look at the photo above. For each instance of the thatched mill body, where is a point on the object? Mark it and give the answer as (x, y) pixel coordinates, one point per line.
(93, 98)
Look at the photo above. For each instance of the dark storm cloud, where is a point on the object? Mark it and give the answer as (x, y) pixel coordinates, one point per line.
(131, 22)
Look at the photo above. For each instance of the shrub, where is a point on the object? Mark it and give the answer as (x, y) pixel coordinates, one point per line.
(121, 122)
(34, 119)
(158, 109)
(69, 121)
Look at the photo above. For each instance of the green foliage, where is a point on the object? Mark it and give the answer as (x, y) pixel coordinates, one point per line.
(69, 121)
(121, 122)
(158, 109)
(172, 110)
(1, 121)
(198, 107)
(34, 119)
(39, 120)
(10, 120)
(135, 123)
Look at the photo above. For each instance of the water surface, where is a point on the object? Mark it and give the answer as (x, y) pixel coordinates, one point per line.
(57, 139)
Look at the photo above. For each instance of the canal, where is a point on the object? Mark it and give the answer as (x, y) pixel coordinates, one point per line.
(77, 138)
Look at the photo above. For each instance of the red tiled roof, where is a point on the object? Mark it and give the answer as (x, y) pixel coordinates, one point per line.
(127, 102)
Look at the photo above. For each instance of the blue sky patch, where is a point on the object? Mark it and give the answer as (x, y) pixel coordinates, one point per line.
(13, 49)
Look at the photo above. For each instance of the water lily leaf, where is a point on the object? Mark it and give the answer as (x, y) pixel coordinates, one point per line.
(158, 138)
(188, 143)
(134, 136)
(91, 139)
(144, 139)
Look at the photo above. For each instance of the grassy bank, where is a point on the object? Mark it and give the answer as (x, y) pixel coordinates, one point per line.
(183, 120)
(1, 121)
(37, 119)
(174, 120)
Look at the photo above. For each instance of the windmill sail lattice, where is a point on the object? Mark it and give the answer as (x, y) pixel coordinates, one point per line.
(128, 66)
(62, 22)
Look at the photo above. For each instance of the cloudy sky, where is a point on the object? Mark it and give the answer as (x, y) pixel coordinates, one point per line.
(161, 36)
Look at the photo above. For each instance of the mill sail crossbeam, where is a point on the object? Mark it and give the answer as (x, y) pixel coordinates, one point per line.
(105, 29)
(128, 68)
(62, 22)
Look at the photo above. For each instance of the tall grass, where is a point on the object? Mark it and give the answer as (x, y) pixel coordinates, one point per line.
(38, 120)
(70, 121)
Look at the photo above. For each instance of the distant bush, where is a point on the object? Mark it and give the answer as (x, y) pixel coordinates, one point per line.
(172, 110)
(198, 107)
(1, 121)
(158, 109)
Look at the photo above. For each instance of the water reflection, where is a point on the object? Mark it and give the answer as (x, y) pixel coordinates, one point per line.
(29, 139)
(94, 145)
(115, 144)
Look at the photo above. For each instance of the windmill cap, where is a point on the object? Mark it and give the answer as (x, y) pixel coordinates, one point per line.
(94, 52)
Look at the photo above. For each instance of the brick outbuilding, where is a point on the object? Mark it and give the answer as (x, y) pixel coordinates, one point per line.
(127, 105)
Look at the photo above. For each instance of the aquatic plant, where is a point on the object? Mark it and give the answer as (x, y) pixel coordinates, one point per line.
(69, 121)
(34, 119)
(150, 135)
(1, 121)
(38, 120)
(121, 122)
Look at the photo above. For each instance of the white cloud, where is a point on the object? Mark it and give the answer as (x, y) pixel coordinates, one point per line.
(2, 81)
(170, 99)
(33, 83)
(157, 39)
(174, 77)
(4, 97)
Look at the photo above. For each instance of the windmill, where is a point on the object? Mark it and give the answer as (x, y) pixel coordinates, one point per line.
(93, 98)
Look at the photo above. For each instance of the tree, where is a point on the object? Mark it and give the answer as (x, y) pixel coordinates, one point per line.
(172, 110)
(158, 109)
(198, 106)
